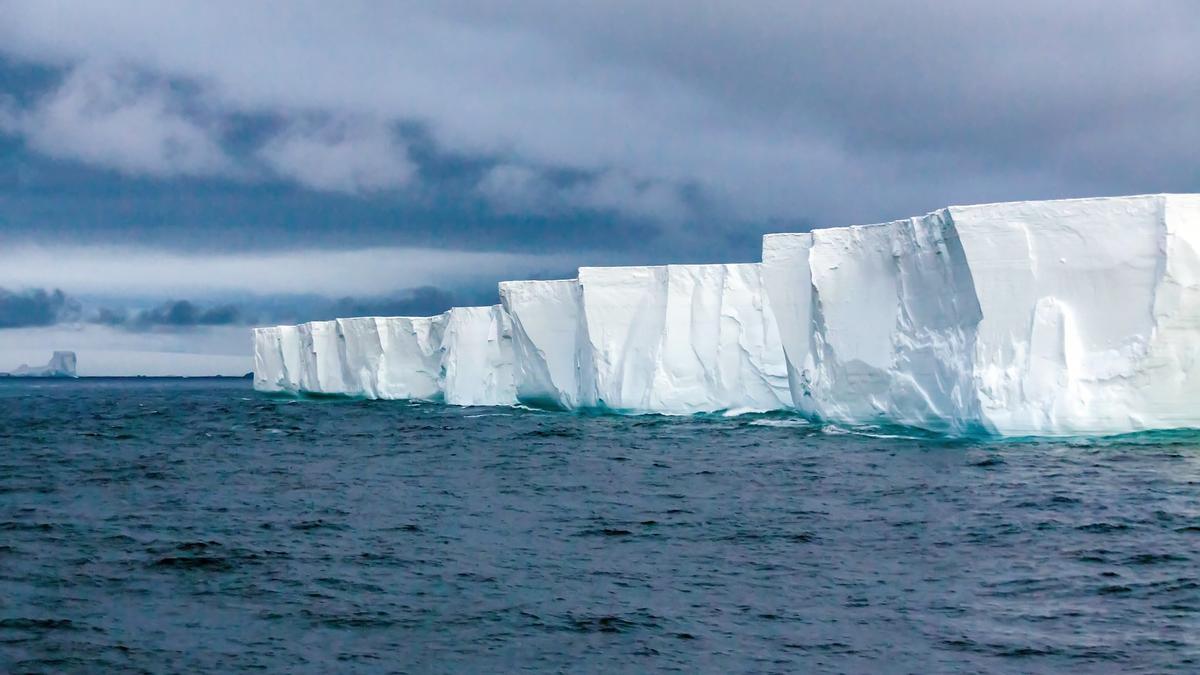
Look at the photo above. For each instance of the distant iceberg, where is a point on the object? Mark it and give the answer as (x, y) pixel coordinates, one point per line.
(62, 364)
(1056, 317)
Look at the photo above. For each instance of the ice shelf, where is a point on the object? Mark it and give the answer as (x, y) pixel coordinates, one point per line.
(1075, 316)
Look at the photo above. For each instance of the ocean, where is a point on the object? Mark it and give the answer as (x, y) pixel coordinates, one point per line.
(197, 526)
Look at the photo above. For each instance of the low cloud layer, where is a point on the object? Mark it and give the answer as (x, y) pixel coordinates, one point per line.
(40, 307)
(171, 314)
(127, 271)
(36, 307)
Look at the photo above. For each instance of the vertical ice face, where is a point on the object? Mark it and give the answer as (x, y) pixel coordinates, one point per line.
(291, 354)
(720, 346)
(375, 357)
(478, 357)
(878, 322)
(551, 363)
(361, 355)
(326, 372)
(1169, 382)
(410, 361)
(894, 322)
(268, 360)
(787, 282)
(682, 339)
(1089, 312)
(625, 312)
(1074, 316)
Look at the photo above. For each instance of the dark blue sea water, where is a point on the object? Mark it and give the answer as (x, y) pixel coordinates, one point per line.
(195, 526)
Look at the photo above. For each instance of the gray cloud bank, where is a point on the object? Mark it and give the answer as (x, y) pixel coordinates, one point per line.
(173, 313)
(36, 307)
(41, 307)
(685, 113)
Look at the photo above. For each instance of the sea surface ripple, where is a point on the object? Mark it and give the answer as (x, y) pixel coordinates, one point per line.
(196, 526)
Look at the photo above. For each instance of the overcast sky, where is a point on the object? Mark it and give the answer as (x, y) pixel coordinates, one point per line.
(179, 171)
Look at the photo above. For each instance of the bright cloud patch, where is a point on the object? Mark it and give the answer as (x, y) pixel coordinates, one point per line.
(340, 157)
(113, 118)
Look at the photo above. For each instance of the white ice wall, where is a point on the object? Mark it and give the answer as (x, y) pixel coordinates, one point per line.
(327, 367)
(360, 356)
(292, 355)
(478, 357)
(787, 282)
(1089, 312)
(375, 357)
(881, 322)
(551, 363)
(268, 360)
(625, 310)
(877, 321)
(410, 362)
(682, 339)
(1074, 316)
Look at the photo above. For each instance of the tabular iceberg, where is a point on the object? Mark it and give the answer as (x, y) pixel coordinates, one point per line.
(61, 364)
(1061, 317)
(1073, 316)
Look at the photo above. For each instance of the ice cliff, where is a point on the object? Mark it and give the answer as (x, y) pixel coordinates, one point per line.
(671, 339)
(463, 357)
(1059, 317)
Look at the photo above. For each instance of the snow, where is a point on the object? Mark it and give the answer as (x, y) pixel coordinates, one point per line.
(1062, 317)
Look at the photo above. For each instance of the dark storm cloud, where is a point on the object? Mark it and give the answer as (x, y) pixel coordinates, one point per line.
(424, 301)
(420, 301)
(171, 314)
(682, 124)
(35, 307)
(182, 315)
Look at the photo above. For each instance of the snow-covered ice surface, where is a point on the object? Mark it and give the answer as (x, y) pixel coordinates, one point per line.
(1062, 317)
